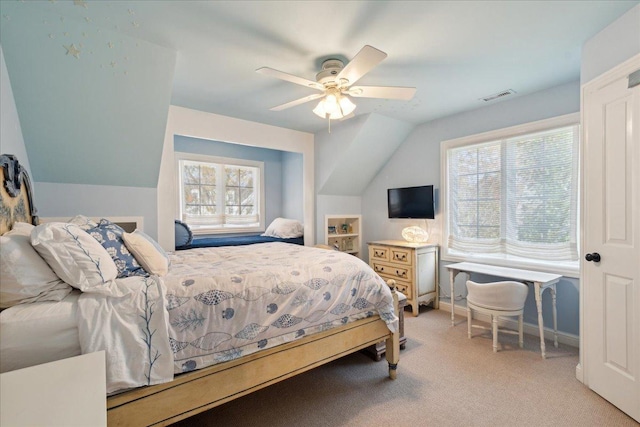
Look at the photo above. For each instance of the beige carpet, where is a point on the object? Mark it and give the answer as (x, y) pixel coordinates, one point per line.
(444, 379)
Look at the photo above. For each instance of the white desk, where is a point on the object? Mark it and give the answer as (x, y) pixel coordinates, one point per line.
(540, 282)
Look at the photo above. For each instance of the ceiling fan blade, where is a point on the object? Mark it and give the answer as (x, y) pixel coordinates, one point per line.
(347, 117)
(297, 102)
(290, 78)
(387, 92)
(361, 64)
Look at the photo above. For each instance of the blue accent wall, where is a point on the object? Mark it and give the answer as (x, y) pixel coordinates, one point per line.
(282, 171)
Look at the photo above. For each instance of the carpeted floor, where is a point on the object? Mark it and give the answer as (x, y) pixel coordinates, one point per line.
(444, 379)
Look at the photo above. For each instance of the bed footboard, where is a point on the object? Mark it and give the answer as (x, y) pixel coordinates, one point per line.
(198, 391)
(392, 343)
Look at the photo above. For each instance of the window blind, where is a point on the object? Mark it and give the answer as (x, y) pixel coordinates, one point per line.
(516, 196)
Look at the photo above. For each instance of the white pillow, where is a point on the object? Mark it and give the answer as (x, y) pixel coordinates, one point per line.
(147, 252)
(25, 276)
(284, 228)
(83, 222)
(75, 256)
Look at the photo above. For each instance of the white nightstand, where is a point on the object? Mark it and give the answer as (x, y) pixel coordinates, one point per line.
(67, 392)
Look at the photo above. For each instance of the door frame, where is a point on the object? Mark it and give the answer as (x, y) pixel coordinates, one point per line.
(622, 69)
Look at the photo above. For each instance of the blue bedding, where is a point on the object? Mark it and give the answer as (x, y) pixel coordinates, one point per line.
(207, 242)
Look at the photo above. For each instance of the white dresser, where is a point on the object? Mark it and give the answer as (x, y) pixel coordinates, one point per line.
(414, 267)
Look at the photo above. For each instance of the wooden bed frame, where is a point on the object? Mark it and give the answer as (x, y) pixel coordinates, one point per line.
(198, 391)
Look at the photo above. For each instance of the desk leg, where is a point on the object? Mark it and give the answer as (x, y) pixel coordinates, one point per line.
(555, 316)
(452, 277)
(538, 296)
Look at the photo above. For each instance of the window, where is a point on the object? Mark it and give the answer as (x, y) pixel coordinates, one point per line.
(218, 195)
(511, 196)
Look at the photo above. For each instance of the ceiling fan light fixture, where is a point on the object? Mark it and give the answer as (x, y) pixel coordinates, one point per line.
(331, 103)
(320, 110)
(346, 105)
(334, 107)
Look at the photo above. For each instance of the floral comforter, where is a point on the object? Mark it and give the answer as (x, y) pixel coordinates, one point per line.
(218, 304)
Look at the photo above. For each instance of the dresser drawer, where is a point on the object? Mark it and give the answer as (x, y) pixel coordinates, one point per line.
(378, 253)
(401, 256)
(393, 271)
(405, 288)
(401, 286)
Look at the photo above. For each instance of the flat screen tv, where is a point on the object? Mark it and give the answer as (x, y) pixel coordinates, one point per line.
(411, 202)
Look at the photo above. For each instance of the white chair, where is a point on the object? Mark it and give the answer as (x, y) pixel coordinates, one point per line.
(497, 299)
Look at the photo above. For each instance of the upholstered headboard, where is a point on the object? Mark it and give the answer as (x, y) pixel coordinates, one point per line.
(16, 194)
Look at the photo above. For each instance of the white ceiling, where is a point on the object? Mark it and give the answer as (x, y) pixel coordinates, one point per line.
(453, 52)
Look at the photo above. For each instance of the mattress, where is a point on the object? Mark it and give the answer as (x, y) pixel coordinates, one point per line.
(38, 333)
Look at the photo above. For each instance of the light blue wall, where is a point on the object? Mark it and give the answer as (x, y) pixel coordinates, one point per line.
(68, 200)
(417, 162)
(615, 44)
(283, 172)
(97, 117)
(347, 158)
(292, 190)
(11, 140)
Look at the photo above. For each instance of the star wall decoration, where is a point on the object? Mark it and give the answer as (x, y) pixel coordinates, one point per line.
(73, 50)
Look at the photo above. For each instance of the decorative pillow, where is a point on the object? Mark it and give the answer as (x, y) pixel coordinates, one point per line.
(148, 252)
(25, 276)
(75, 256)
(83, 222)
(284, 228)
(184, 236)
(109, 235)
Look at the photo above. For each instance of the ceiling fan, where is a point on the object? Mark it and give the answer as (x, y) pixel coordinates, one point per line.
(335, 84)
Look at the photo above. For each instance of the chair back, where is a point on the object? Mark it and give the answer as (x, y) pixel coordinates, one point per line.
(507, 296)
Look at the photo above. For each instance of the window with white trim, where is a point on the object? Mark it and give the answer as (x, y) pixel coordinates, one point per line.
(219, 195)
(511, 196)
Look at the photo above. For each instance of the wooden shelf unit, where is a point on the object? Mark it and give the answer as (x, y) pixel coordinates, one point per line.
(348, 229)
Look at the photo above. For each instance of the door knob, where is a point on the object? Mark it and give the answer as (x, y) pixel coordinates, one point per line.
(595, 257)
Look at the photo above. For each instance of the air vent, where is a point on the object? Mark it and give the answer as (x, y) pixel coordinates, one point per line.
(498, 95)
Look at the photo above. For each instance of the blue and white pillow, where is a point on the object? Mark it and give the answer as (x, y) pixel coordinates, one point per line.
(110, 237)
(184, 235)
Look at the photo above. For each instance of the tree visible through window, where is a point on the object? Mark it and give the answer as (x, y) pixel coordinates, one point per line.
(514, 196)
(219, 195)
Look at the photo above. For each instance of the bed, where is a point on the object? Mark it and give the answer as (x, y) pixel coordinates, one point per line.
(211, 366)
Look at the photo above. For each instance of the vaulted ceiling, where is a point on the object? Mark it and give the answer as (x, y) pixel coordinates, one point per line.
(453, 52)
(93, 80)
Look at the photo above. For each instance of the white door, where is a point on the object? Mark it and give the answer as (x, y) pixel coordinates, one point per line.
(611, 209)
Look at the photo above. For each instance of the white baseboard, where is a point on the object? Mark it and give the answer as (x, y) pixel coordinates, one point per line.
(529, 329)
